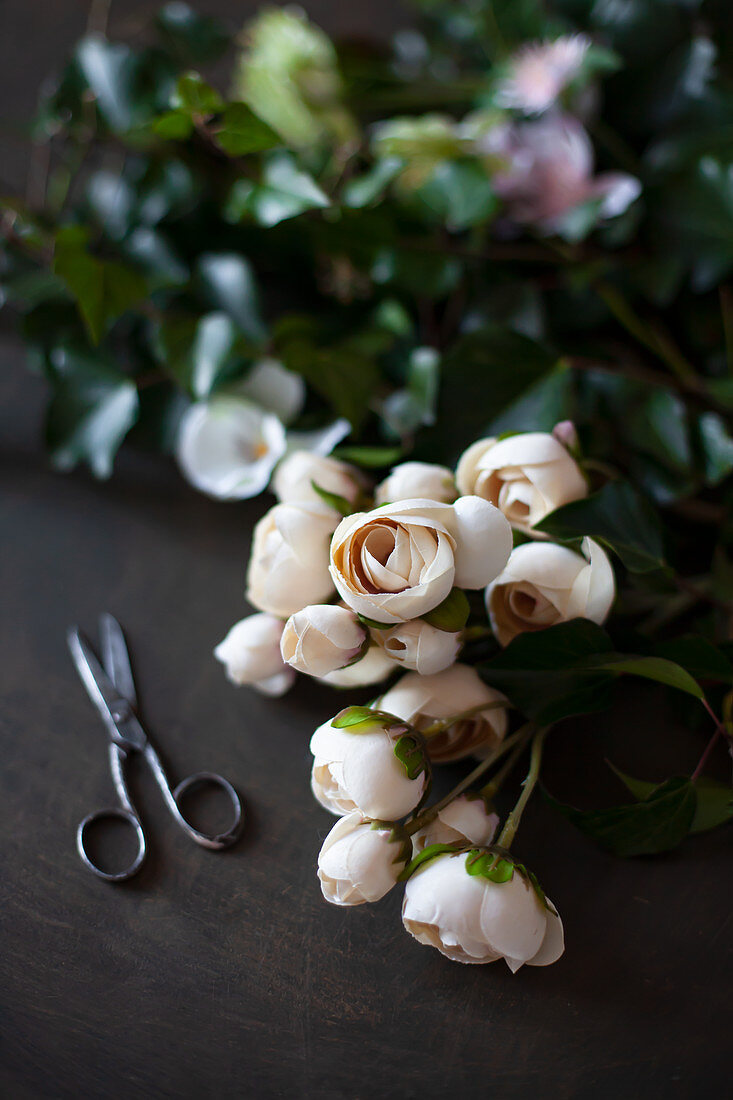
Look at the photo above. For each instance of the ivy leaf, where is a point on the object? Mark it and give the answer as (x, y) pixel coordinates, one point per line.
(714, 805)
(197, 352)
(92, 408)
(657, 823)
(174, 125)
(450, 615)
(228, 282)
(700, 657)
(103, 289)
(616, 516)
(242, 132)
(194, 96)
(285, 192)
(458, 194)
(110, 71)
(366, 189)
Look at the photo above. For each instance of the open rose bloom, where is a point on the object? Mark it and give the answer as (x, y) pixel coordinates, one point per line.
(354, 599)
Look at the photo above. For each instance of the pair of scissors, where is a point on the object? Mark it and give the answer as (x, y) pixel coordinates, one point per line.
(112, 690)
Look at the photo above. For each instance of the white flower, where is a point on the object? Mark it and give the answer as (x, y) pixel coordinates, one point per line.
(321, 639)
(227, 447)
(471, 919)
(526, 476)
(293, 479)
(419, 646)
(288, 566)
(251, 655)
(412, 480)
(357, 768)
(422, 700)
(544, 584)
(466, 818)
(539, 71)
(360, 860)
(373, 667)
(548, 171)
(400, 561)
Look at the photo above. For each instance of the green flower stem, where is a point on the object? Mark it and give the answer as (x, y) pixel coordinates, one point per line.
(445, 723)
(515, 816)
(432, 811)
(490, 789)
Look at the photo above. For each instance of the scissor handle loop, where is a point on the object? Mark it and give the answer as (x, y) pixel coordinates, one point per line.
(105, 815)
(209, 840)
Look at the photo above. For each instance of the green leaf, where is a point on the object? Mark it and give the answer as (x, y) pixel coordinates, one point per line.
(458, 194)
(541, 406)
(371, 458)
(373, 624)
(242, 132)
(333, 500)
(657, 823)
(343, 375)
(651, 668)
(539, 671)
(228, 282)
(173, 125)
(717, 447)
(92, 408)
(110, 71)
(103, 289)
(410, 751)
(616, 516)
(714, 805)
(195, 96)
(285, 192)
(700, 657)
(197, 352)
(450, 615)
(366, 189)
(640, 788)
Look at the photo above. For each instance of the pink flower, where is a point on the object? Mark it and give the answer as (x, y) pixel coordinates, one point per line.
(548, 170)
(539, 71)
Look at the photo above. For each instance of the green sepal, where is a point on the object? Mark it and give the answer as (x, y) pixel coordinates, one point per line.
(333, 500)
(365, 719)
(397, 835)
(430, 853)
(452, 614)
(489, 865)
(409, 749)
(373, 624)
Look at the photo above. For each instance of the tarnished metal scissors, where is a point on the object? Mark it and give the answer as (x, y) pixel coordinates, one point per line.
(112, 690)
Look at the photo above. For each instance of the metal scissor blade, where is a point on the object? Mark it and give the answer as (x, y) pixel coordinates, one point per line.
(115, 710)
(116, 658)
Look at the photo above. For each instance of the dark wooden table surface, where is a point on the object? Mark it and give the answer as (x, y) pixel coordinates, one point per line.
(227, 974)
(217, 974)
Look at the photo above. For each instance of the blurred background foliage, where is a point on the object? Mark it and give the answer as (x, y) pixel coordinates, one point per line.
(437, 258)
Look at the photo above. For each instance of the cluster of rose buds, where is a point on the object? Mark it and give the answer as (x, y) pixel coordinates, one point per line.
(353, 584)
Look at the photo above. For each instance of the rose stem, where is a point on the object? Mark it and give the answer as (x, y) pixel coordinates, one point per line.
(445, 723)
(494, 784)
(515, 816)
(428, 814)
(719, 730)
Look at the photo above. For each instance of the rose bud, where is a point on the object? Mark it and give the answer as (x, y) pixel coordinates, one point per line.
(372, 668)
(322, 638)
(251, 655)
(544, 584)
(419, 646)
(465, 905)
(526, 476)
(288, 566)
(467, 819)
(412, 480)
(423, 700)
(294, 478)
(227, 447)
(399, 561)
(361, 860)
(377, 765)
